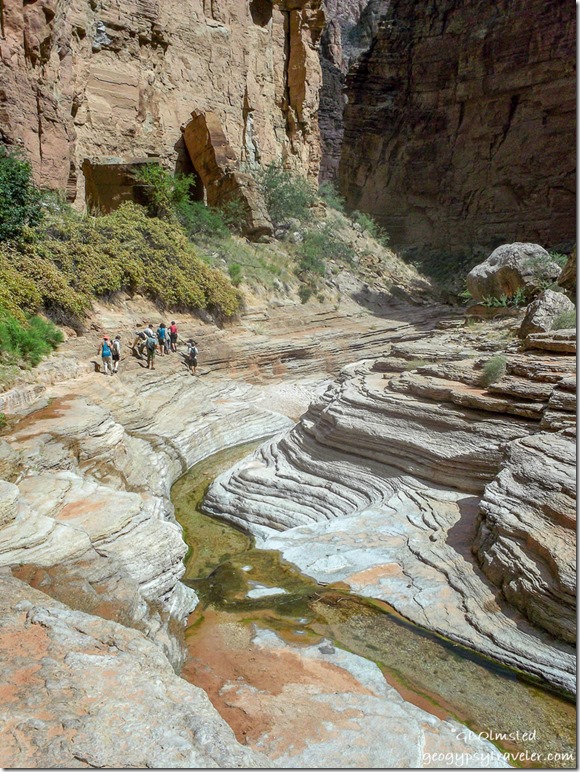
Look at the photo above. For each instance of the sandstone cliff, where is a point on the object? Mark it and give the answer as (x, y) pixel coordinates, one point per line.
(349, 30)
(459, 128)
(86, 83)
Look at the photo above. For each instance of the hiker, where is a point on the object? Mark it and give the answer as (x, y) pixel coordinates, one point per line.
(141, 339)
(116, 353)
(192, 353)
(106, 354)
(161, 336)
(139, 344)
(173, 336)
(151, 347)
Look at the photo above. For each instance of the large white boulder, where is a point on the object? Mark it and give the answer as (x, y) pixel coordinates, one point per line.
(511, 267)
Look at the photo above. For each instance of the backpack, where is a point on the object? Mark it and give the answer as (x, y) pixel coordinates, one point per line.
(106, 351)
(151, 344)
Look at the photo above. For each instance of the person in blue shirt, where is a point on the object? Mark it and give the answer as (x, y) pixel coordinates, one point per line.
(106, 352)
(162, 337)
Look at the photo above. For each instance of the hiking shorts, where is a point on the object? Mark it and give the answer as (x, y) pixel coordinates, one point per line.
(173, 337)
(193, 361)
(150, 354)
(116, 357)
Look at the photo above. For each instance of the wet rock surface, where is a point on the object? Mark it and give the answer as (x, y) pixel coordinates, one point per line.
(86, 516)
(79, 691)
(379, 486)
(308, 705)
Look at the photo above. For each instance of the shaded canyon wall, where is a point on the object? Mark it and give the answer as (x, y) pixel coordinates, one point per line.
(350, 27)
(460, 125)
(117, 80)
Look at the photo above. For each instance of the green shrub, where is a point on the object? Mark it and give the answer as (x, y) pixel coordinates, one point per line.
(565, 320)
(72, 261)
(286, 194)
(25, 343)
(20, 199)
(233, 214)
(516, 300)
(235, 272)
(369, 226)
(493, 370)
(165, 192)
(319, 246)
(413, 364)
(305, 292)
(539, 265)
(330, 195)
(559, 258)
(198, 220)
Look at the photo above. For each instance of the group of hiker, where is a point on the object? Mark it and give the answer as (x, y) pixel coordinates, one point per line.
(149, 344)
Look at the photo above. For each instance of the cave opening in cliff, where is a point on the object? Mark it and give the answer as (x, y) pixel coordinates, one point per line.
(109, 182)
(184, 165)
(261, 11)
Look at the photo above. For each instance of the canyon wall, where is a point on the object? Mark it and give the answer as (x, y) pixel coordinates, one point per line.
(116, 81)
(460, 125)
(349, 30)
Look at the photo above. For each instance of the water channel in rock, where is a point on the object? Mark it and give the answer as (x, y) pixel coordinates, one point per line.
(231, 578)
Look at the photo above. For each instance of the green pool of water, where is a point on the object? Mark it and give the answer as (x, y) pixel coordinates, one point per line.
(442, 677)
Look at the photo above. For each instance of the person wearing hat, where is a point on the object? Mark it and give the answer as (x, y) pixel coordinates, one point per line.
(106, 352)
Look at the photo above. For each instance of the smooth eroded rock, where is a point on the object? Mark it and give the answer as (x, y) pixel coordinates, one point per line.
(544, 311)
(526, 538)
(510, 268)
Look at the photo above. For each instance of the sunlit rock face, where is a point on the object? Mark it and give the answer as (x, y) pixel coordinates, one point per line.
(459, 126)
(116, 82)
(407, 464)
(83, 691)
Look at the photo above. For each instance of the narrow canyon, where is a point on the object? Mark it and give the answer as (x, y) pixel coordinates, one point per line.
(326, 517)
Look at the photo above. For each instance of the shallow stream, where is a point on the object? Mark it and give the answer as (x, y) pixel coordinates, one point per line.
(231, 577)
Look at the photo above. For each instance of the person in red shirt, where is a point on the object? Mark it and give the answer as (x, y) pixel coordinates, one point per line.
(173, 336)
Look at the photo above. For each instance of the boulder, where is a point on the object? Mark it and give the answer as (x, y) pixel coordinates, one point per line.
(543, 312)
(526, 535)
(512, 267)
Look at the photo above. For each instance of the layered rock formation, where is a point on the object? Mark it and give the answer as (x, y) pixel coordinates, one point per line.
(65, 688)
(88, 533)
(349, 31)
(379, 485)
(459, 127)
(525, 542)
(111, 82)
